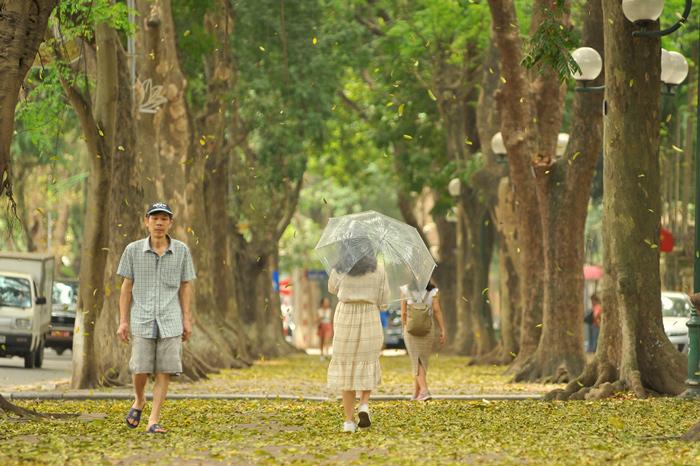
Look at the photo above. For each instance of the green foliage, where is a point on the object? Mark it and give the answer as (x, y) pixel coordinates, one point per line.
(79, 18)
(550, 45)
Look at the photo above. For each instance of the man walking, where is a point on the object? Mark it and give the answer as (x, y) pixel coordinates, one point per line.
(156, 292)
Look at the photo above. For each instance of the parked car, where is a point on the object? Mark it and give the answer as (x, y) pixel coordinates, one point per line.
(676, 307)
(65, 301)
(394, 337)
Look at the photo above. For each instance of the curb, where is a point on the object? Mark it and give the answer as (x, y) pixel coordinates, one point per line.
(81, 396)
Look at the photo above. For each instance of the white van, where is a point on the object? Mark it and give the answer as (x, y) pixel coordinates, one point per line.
(26, 283)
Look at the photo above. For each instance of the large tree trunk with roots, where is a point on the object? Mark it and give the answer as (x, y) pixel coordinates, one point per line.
(178, 162)
(493, 180)
(564, 191)
(633, 351)
(125, 224)
(22, 28)
(98, 122)
(517, 110)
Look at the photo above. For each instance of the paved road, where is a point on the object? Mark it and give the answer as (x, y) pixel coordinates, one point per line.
(55, 368)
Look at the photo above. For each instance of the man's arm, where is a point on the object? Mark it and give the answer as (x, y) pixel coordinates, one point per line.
(184, 295)
(125, 299)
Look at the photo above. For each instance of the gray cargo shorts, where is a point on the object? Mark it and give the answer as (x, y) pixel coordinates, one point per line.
(156, 355)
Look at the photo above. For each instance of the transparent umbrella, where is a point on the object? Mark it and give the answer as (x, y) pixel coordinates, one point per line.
(396, 245)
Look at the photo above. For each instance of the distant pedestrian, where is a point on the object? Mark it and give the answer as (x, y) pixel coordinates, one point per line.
(362, 288)
(420, 347)
(155, 294)
(324, 319)
(595, 326)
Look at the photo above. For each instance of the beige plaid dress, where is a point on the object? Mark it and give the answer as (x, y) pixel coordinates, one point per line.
(357, 330)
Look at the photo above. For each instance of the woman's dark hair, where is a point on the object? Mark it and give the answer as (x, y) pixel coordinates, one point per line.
(430, 286)
(346, 263)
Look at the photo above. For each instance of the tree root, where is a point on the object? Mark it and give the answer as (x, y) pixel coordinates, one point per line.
(693, 434)
(7, 407)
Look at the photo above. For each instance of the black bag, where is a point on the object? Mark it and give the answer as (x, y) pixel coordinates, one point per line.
(588, 317)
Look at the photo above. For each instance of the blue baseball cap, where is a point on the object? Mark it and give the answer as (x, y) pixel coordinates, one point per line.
(158, 207)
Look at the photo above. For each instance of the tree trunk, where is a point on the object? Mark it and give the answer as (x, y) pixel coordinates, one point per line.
(495, 184)
(179, 162)
(633, 351)
(22, 28)
(564, 192)
(517, 110)
(125, 224)
(98, 121)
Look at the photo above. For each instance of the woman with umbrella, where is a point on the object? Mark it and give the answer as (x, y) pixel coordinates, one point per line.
(367, 256)
(363, 289)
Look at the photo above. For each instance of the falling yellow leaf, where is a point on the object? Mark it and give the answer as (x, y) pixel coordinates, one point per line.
(406, 136)
(677, 149)
(77, 330)
(121, 148)
(485, 290)
(40, 211)
(503, 79)
(432, 96)
(101, 133)
(262, 48)
(465, 299)
(538, 325)
(251, 206)
(631, 82)
(401, 109)
(325, 201)
(187, 33)
(390, 104)
(314, 41)
(668, 118)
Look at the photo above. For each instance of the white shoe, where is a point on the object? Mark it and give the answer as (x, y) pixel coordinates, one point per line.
(349, 427)
(363, 414)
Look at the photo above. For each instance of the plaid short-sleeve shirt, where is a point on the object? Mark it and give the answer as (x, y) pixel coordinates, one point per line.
(155, 305)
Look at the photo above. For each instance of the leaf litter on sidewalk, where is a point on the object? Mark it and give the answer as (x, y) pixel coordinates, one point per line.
(622, 431)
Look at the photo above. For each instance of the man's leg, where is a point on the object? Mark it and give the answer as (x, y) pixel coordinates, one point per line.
(160, 390)
(140, 395)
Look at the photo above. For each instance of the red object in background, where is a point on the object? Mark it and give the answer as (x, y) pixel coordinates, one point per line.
(285, 289)
(666, 240)
(592, 272)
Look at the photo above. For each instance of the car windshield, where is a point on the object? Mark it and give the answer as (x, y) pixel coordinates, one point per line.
(675, 306)
(65, 293)
(15, 292)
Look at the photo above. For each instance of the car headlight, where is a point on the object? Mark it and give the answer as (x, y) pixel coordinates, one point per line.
(23, 323)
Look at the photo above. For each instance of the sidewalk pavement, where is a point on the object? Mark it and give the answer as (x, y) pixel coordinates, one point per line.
(127, 394)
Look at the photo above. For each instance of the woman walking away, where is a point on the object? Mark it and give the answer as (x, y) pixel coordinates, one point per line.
(420, 347)
(325, 327)
(363, 289)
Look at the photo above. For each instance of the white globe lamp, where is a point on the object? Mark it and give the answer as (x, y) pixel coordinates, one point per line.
(589, 61)
(667, 66)
(497, 145)
(642, 12)
(562, 142)
(680, 69)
